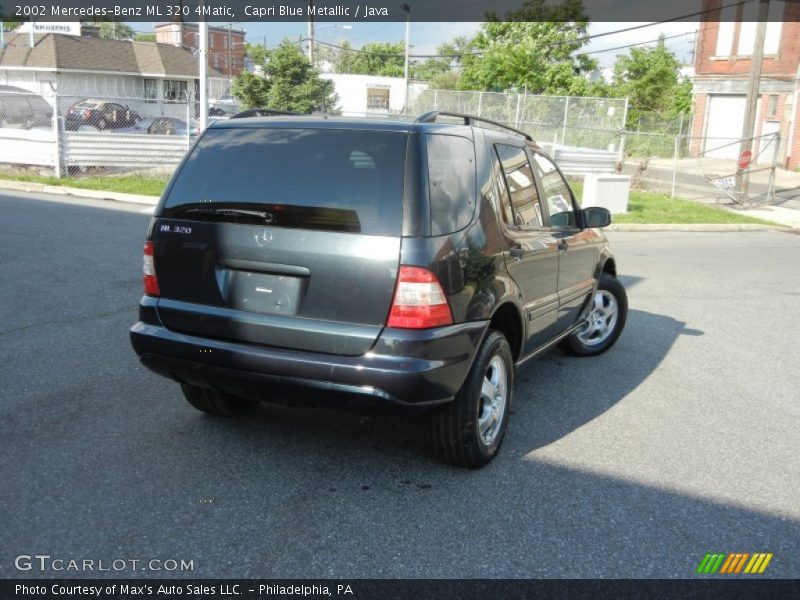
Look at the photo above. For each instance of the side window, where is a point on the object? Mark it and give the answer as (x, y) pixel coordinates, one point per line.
(451, 182)
(521, 186)
(556, 192)
(505, 199)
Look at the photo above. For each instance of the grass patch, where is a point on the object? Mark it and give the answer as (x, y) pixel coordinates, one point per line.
(660, 209)
(134, 184)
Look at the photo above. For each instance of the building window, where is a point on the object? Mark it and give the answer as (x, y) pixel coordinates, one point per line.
(772, 106)
(225, 43)
(175, 91)
(150, 90)
(377, 98)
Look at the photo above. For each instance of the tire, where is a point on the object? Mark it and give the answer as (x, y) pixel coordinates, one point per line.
(215, 403)
(457, 429)
(605, 321)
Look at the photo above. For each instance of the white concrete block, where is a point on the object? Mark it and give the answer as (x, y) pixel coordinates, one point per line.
(606, 190)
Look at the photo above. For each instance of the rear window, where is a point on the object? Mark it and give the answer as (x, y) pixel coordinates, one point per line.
(328, 179)
(451, 182)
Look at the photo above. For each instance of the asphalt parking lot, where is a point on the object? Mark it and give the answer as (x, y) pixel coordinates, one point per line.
(681, 440)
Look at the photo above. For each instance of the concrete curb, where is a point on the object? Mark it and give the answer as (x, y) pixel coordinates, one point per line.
(708, 227)
(42, 188)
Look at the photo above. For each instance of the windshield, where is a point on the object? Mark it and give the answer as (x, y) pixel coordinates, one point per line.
(332, 179)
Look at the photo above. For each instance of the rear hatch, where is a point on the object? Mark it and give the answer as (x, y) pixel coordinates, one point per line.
(286, 237)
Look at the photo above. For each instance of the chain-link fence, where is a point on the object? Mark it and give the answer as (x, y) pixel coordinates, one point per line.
(77, 133)
(571, 121)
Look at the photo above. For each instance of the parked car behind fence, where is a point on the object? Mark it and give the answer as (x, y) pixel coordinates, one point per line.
(23, 108)
(100, 114)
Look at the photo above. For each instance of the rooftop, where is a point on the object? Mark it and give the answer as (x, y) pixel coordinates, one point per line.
(64, 52)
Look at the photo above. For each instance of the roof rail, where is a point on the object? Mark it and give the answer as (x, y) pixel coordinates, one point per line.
(264, 112)
(431, 116)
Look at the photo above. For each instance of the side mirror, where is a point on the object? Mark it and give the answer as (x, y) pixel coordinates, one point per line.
(596, 216)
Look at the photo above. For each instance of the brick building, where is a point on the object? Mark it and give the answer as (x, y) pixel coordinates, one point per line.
(723, 54)
(226, 49)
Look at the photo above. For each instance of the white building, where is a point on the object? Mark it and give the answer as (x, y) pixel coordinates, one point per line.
(372, 95)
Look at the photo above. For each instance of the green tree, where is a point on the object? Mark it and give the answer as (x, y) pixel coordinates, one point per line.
(116, 31)
(289, 82)
(650, 78)
(536, 48)
(145, 37)
(378, 58)
(443, 69)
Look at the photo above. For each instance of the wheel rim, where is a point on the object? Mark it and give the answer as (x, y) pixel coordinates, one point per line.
(602, 319)
(493, 400)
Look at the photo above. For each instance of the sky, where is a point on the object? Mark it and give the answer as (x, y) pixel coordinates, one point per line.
(425, 37)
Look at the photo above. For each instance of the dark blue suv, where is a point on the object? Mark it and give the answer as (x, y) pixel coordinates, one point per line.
(411, 265)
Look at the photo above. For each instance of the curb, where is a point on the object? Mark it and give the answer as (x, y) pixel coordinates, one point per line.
(43, 188)
(708, 227)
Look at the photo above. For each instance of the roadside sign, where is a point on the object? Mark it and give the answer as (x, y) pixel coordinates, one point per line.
(745, 158)
(724, 183)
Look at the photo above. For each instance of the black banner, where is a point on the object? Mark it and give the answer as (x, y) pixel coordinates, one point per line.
(361, 589)
(384, 10)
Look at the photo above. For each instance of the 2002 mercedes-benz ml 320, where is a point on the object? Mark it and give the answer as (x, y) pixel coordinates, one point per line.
(406, 264)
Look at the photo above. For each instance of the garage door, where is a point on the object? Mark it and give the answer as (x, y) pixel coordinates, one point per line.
(725, 118)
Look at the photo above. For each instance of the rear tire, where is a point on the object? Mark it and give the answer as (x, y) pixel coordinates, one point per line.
(468, 432)
(605, 321)
(215, 403)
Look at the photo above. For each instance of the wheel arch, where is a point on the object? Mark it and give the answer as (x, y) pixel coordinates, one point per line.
(507, 319)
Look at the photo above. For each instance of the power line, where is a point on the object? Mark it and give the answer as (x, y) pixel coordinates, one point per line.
(585, 38)
(668, 37)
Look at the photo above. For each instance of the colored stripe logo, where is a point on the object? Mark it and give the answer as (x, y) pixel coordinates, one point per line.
(734, 563)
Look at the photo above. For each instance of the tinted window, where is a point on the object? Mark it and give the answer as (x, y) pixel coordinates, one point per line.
(336, 180)
(505, 199)
(556, 192)
(521, 185)
(451, 182)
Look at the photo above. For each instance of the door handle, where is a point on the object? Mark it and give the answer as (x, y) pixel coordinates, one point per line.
(562, 246)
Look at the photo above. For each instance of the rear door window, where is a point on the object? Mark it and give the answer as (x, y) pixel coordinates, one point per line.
(451, 182)
(325, 179)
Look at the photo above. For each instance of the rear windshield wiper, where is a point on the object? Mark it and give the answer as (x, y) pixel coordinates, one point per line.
(206, 212)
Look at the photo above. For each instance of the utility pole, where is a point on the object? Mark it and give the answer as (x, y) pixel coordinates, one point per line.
(743, 176)
(311, 32)
(202, 30)
(407, 10)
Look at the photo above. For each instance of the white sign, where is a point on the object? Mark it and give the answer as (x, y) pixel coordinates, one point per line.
(724, 183)
(65, 28)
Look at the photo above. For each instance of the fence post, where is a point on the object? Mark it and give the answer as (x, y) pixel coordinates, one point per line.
(775, 153)
(622, 138)
(675, 165)
(188, 127)
(435, 99)
(57, 131)
(516, 118)
(480, 103)
(564, 126)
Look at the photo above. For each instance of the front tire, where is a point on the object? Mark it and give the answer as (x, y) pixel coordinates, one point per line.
(215, 403)
(468, 432)
(605, 321)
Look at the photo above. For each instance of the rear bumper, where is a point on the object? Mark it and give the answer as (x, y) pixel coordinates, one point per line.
(405, 369)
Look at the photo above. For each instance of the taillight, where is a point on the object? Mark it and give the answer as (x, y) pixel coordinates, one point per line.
(87, 114)
(150, 281)
(419, 301)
